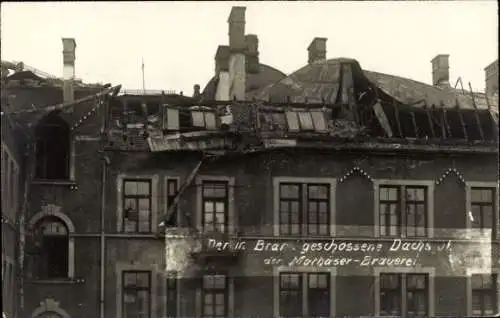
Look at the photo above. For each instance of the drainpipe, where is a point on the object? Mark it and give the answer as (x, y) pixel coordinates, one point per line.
(105, 162)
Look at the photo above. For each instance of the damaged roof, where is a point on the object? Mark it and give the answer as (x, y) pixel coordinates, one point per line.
(321, 81)
(267, 75)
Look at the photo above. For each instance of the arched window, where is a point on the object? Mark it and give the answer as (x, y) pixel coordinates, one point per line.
(53, 148)
(54, 248)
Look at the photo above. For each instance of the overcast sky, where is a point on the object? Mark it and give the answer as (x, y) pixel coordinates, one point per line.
(178, 40)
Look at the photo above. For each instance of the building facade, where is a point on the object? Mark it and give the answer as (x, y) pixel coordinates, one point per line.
(131, 198)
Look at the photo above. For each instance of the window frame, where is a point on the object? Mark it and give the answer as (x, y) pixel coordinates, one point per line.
(304, 272)
(470, 185)
(168, 197)
(172, 275)
(304, 182)
(136, 198)
(230, 214)
(296, 114)
(225, 291)
(154, 178)
(473, 271)
(405, 271)
(70, 160)
(429, 206)
(136, 289)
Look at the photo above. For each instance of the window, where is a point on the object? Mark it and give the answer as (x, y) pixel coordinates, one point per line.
(404, 295)
(484, 294)
(172, 294)
(304, 294)
(215, 206)
(172, 186)
(482, 204)
(137, 206)
(204, 119)
(304, 208)
(53, 148)
(403, 210)
(214, 296)
(136, 294)
(171, 118)
(306, 120)
(54, 245)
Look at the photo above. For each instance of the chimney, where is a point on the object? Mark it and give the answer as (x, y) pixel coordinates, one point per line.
(252, 53)
(317, 50)
(237, 47)
(196, 94)
(69, 46)
(222, 59)
(491, 78)
(441, 70)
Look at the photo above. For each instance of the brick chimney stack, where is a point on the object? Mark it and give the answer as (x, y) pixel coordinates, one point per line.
(237, 46)
(252, 53)
(441, 70)
(491, 78)
(317, 50)
(222, 59)
(69, 47)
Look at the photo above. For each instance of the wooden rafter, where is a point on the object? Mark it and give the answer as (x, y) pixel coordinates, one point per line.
(414, 121)
(396, 113)
(429, 119)
(462, 122)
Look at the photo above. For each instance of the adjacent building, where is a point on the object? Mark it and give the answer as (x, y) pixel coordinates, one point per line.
(128, 192)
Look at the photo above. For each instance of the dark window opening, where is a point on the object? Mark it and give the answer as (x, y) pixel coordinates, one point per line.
(136, 294)
(172, 189)
(172, 294)
(53, 258)
(53, 149)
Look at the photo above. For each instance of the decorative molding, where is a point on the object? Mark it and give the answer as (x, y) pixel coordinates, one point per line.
(357, 169)
(447, 172)
(49, 305)
(86, 116)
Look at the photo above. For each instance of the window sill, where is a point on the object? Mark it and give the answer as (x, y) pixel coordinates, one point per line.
(54, 182)
(59, 281)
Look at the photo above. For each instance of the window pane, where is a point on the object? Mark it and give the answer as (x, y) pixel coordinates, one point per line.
(306, 122)
(292, 121)
(318, 191)
(198, 119)
(172, 119)
(481, 195)
(130, 188)
(210, 121)
(319, 120)
(289, 191)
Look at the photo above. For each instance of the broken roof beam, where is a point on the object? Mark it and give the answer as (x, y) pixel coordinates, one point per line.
(398, 121)
(414, 122)
(462, 122)
(445, 127)
(429, 119)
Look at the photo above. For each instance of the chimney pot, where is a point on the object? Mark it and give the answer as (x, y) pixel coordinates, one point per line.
(252, 53)
(491, 78)
(441, 70)
(196, 93)
(69, 48)
(317, 50)
(237, 29)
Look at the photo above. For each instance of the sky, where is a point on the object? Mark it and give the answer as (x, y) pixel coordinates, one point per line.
(178, 40)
